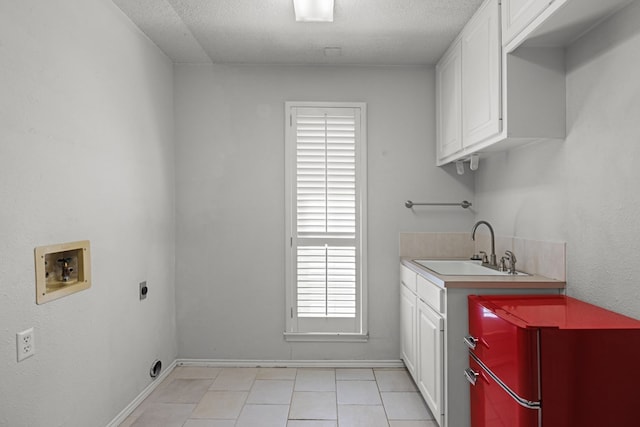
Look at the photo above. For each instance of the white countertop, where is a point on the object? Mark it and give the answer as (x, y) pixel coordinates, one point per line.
(505, 282)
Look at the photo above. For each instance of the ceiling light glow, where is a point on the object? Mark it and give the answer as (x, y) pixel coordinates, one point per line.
(313, 10)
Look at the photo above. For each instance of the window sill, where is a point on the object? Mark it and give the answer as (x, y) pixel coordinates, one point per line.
(325, 337)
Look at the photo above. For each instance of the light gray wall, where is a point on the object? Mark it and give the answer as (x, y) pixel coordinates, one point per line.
(86, 152)
(584, 190)
(230, 200)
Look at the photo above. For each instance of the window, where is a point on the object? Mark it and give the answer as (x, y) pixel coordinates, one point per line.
(325, 196)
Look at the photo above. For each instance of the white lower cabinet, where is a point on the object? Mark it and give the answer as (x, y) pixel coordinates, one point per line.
(422, 337)
(430, 359)
(408, 320)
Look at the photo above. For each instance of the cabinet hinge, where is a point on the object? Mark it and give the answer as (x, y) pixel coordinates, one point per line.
(290, 120)
(292, 312)
(291, 241)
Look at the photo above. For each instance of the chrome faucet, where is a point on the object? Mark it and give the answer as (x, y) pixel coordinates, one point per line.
(492, 257)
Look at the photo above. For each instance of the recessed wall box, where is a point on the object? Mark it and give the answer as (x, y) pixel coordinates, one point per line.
(62, 270)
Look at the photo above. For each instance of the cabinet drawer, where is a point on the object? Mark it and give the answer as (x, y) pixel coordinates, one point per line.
(431, 294)
(408, 277)
(511, 352)
(492, 406)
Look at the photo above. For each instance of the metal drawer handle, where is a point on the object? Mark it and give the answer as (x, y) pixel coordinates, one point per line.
(471, 376)
(470, 342)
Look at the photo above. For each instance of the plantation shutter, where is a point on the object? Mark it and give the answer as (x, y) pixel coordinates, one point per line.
(325, 213)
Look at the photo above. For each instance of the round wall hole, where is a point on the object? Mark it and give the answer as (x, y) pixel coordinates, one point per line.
(156, 367)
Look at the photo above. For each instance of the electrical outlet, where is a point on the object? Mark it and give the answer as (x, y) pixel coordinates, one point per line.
(143, 290)
(25, 344)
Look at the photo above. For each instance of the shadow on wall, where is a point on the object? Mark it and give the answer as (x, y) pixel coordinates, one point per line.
(623, 27)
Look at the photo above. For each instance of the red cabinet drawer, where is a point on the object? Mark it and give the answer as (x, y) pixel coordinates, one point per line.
(491, 406)
(509, 351)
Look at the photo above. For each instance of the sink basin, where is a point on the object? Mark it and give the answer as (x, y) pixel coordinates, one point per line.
(461, 268)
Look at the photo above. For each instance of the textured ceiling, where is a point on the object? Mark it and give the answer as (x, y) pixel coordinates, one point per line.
(371, 32)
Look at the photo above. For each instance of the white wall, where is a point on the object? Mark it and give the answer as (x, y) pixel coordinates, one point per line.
(86, 152)
(230, 200)
(584, 190)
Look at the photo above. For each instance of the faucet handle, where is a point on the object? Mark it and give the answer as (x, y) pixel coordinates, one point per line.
(510, 256)
(485, 258)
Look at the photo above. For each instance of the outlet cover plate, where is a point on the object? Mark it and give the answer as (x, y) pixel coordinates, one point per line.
(143, 290)
(25, 344)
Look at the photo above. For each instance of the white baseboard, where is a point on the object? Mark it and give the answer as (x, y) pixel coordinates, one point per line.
(229, 363)
(222, 363)
(119, 419)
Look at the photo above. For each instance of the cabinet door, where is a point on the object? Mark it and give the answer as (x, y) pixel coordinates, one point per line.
(481, 59)
(430, 358)
(448, 103)
(517, 14)
(408, 319)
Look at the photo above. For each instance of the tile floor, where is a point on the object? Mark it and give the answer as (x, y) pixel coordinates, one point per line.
(283, 397)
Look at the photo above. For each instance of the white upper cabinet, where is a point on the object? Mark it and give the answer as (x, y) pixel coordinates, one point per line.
(448, 100)
(468, 85)
(517, 14)
(481, 114)
(502, 82)
(552, 23)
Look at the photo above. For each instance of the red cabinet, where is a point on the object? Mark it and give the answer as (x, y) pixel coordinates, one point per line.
(551, 361)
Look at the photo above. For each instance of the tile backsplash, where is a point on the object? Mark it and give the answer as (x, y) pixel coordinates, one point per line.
(534, 257)
(543, 258)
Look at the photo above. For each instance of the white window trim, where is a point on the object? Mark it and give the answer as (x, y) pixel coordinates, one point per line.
(290, 333)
